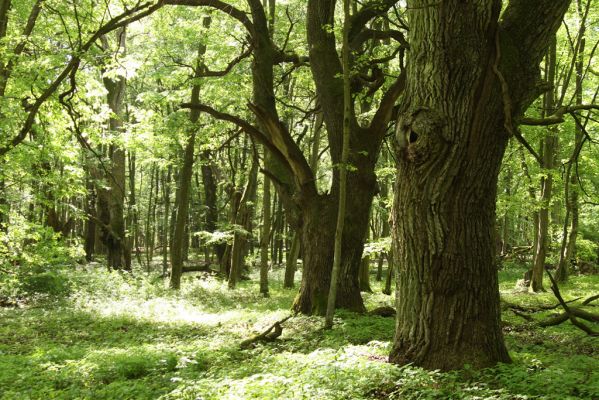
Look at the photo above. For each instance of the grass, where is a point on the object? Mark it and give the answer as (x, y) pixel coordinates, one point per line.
(121, 337)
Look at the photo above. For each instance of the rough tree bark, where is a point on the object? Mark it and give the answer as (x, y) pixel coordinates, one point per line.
(470, 77)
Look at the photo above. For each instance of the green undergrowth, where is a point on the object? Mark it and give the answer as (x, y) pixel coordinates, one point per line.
(115, 336)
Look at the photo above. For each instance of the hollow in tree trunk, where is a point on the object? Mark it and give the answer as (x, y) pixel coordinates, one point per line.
(454, 122)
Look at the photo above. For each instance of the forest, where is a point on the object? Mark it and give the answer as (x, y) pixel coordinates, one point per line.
(299, 199)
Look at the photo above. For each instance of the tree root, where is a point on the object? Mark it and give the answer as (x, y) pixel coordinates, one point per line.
(269, 335)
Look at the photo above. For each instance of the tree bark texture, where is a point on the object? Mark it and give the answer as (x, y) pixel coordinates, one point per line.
(469, 77)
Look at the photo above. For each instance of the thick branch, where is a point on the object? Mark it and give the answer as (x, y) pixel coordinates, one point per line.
(372, 34)
(281, 138)
(268, 335)
(570, 313)
(219, 5)
(247, 128)
(385, 111)
(527, 28)
(368, 12)
(558, 116)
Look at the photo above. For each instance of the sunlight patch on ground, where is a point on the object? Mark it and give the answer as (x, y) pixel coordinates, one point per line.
(160, 310)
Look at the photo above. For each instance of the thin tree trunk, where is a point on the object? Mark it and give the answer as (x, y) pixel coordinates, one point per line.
(185, 178)
(347, 113)
(291, 262)
(548, 160)
(568, 257)
(265, 237)
(242, 216)
(365, 275)
(390, 273)
(166, 198)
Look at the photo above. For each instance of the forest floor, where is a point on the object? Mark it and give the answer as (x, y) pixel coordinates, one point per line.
(115, 336)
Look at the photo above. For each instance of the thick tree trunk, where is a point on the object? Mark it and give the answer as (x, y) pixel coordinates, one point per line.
(450, 146)
(458, 110)
(318, 235)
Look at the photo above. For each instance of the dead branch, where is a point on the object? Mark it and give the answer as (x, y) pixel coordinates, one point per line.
(268, 335)
(571, 314)
(590, 300)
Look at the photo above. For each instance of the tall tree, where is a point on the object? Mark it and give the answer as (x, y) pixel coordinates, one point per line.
(111, 197)
(186, 172)
(347, 112)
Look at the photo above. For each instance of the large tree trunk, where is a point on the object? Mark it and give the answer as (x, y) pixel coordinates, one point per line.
(318, 235)
(452, 131)
(449, 152)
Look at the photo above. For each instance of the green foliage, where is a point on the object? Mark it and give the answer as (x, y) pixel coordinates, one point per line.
(35, 261)
(382, 245)
(587, 250)
(124, 336)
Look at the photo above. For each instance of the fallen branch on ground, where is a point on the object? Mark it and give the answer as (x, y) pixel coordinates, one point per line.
(568, 311)
(268, 335)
